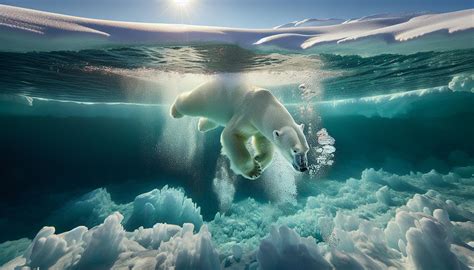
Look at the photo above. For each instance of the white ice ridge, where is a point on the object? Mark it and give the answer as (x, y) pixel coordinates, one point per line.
(333, 21)
(26, 30)
(109, 246)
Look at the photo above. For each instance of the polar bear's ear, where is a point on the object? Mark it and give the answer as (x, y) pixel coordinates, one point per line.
(302, 127)
(276, 134)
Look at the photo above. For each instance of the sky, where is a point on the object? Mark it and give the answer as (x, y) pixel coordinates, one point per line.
(235, 13)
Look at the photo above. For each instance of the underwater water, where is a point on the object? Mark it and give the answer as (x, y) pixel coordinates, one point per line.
(88, 147)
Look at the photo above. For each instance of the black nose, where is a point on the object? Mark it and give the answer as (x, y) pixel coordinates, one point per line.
(303, 169)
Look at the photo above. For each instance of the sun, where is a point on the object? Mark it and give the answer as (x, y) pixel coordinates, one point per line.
(182, 9)
(182, 3)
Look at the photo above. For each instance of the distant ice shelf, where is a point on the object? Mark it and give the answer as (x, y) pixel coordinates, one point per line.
(31, 30)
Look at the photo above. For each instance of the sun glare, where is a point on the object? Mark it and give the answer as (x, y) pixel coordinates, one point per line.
(182, 2)
(180, 8)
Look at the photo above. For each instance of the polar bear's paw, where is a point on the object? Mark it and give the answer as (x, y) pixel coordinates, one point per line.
(255, 172)
(174, 111)
(264, 159)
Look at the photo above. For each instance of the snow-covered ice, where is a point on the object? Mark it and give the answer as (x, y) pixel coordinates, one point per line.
(30, 30)
(311, 22)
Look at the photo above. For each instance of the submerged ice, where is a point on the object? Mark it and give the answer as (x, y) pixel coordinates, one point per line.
(380, 221)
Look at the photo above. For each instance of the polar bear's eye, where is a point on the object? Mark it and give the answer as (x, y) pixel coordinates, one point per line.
(295, 151)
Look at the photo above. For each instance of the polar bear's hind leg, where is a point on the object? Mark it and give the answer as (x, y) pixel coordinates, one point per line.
(264, 149)
(205, 125)
(241, 162)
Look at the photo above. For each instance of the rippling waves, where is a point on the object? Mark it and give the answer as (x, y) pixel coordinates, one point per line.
(136, 74)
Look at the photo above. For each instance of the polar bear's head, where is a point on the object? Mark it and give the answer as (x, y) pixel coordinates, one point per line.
(292, 143)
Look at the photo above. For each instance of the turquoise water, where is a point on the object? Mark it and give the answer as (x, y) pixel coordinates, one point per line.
(97, 121)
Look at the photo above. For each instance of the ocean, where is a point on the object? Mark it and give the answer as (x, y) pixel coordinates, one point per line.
(87, 133)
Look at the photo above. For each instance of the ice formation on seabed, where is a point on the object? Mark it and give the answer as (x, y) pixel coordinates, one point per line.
(381, 221)
(109, 246)
(168, 205)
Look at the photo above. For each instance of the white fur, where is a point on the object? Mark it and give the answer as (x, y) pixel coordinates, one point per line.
(245, 112)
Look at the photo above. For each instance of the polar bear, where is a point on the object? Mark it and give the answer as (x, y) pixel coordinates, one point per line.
(246, 113)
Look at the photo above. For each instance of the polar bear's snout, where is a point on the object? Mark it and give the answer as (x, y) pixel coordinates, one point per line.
(300, 162)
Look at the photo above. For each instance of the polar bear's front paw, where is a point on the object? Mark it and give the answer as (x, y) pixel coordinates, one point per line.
(255, 172)
(264, 160)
